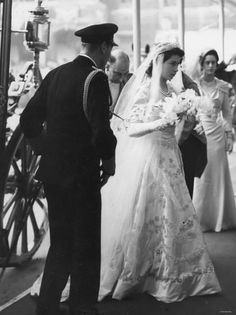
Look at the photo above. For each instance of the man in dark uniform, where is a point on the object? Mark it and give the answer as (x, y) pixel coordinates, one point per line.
(72, 105)
(192, 144)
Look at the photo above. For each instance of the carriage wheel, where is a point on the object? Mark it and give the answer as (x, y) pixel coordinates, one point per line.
(23, 218)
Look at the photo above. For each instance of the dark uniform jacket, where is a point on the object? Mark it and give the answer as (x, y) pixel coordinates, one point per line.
(192, 145)
(223, 74)
(75, 139)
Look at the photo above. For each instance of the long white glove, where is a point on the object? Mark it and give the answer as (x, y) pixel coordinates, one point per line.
(141, 129)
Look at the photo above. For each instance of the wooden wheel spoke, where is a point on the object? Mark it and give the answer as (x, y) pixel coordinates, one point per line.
(29, 204)
(14, 239)
(10, 202)
(19, 222)
(12, 216)
(33, 164)
(28, 210)
(24, 239)
(24, 157)
(34, 224)
(16, 168)
(40, 203)
(29, 156)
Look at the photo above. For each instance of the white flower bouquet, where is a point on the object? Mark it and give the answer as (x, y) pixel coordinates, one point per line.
(185, 104)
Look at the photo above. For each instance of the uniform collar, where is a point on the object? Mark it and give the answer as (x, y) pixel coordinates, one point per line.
(86, 56)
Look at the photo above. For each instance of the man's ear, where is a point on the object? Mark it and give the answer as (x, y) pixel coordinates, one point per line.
(103, 47)
(107, 66)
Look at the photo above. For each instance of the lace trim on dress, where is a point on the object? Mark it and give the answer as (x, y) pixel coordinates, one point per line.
(138, 110)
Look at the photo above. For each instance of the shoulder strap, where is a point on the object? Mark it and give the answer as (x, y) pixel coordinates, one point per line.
(86, 88)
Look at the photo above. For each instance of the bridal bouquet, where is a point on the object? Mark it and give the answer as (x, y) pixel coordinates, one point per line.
(187, 103)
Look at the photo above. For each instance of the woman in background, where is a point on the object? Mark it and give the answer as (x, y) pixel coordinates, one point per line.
(213, 195)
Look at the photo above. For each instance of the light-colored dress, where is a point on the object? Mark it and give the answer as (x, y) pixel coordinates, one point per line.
(151, 237)
(213, 195)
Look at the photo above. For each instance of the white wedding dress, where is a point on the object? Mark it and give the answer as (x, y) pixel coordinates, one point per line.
(151, 238)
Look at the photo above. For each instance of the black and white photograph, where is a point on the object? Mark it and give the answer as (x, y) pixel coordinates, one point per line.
(117, 157)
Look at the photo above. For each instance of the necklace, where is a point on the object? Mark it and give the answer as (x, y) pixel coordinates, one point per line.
(165, 93)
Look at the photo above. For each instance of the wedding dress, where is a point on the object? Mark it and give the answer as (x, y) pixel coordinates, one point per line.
(151, 238)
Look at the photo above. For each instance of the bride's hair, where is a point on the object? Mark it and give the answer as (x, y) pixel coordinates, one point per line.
(167, 55)
(159, 53)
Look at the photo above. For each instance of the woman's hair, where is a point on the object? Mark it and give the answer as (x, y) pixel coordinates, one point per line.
(167, 55)
(211, 52)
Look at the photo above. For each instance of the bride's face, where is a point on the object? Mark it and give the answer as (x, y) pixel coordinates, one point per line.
(170, 67)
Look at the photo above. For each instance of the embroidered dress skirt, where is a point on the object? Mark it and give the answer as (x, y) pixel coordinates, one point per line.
(151, 237)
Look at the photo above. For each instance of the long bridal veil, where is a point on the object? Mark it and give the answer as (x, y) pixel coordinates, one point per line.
(120, 193)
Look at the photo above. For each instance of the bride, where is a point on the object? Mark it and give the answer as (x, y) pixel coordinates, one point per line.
(151, 238)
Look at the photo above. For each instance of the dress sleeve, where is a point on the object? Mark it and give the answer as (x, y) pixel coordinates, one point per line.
(136, 124)
(97, 114)
(226, 113)
(139, 104)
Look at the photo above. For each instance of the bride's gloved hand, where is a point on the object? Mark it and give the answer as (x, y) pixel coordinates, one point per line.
(138, 129)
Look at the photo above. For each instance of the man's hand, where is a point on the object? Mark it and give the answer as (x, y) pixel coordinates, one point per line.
(229, 144)
(181, 116)
(184, 128)
(199, 129)
(107, 170)
(103, 179)
(37, 143)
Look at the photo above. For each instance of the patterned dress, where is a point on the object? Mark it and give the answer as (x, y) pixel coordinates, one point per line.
(151, 237)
